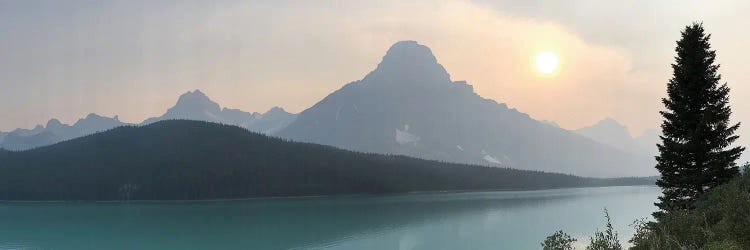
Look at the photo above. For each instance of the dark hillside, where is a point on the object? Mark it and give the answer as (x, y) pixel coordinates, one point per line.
(187, 160)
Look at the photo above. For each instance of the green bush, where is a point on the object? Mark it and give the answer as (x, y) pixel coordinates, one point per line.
(602, 240)
(606, 240)
(558, 241)
(720, 220)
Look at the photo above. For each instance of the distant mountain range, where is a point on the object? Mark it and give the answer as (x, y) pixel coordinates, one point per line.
(409, 105)
(193, 160)
(611, 132)
(197, 106)
(194, 105)
(55, 131)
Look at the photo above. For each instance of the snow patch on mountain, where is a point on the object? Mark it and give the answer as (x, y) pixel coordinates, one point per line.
(491, 159)
(404, 137)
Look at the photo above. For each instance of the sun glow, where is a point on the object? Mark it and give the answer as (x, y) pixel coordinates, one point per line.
(546, 62)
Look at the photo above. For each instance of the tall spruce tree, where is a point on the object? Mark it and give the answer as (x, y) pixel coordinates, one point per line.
(695, 153)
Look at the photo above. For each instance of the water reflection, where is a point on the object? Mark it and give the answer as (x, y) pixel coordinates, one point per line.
(487, 220)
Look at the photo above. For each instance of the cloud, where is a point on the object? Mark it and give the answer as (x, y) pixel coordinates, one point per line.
(492, 51)
(134, 58)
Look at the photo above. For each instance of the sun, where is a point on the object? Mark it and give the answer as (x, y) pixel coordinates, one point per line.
(546, 62)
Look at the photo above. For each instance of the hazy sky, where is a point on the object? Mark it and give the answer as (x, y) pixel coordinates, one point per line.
(65, 59)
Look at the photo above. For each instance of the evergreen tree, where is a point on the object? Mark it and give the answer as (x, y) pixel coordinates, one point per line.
(695, 152)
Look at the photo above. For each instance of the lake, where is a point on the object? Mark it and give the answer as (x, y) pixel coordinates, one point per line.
(471, 220)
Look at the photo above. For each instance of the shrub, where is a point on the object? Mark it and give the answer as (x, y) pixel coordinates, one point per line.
(558, 241)
(720, 220)
(606, 240)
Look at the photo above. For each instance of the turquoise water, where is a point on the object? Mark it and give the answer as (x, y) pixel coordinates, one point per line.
(477, 220)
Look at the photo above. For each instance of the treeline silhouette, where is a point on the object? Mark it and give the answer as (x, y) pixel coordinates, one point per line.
(190, 160)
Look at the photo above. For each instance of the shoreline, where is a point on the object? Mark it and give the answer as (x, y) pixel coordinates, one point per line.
(306, 196)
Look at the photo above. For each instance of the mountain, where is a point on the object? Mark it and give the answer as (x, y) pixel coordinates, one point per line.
(55, 131)
(611, 132)
(16, 141)
(409, 105)
(195, 105)
(94, 123)
(551, 123)
(26, 132)
(188, 160)
(648, 140)
(274, 120)
(238, 117)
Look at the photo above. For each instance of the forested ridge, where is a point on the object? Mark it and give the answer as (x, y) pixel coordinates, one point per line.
(190, 160)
